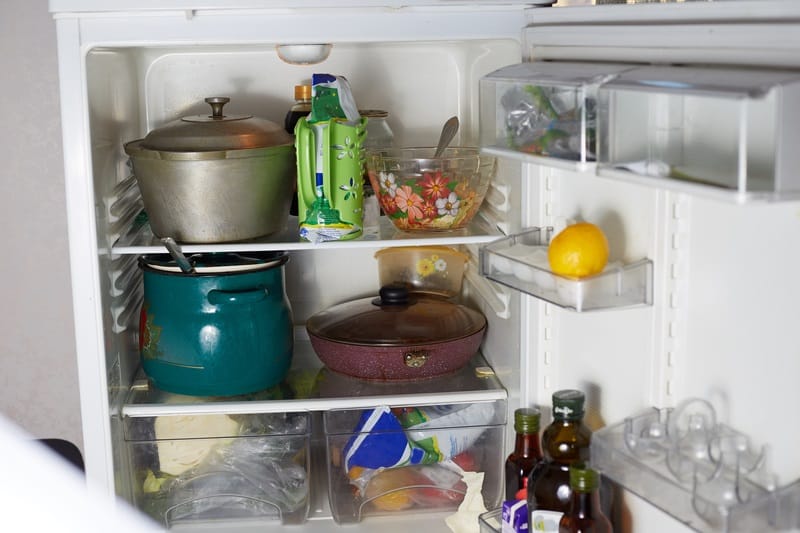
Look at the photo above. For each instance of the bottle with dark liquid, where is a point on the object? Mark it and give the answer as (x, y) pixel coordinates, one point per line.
(565, 442)
(300, 109)
(527, 453)
(585, 514)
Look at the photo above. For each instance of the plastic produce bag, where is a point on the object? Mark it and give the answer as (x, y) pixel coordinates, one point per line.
(245, 476)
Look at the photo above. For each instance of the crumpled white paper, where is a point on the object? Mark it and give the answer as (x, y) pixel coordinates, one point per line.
(465, 520)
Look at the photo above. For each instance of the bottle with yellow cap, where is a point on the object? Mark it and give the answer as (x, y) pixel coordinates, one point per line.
(301, 107)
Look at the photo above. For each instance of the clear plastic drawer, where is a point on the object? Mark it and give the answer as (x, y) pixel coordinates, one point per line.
(543, 109)
(395, 460)
(191, 468)
(722, 132)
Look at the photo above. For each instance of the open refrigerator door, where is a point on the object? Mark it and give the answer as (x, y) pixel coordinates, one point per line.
(677, 164)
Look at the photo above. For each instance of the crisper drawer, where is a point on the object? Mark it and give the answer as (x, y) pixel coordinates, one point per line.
(200, 468)
(413, 459)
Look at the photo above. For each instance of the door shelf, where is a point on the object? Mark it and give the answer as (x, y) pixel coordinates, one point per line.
(139, 239)
(703, 473)
(543, 108)
(719, 132)
(520, 261)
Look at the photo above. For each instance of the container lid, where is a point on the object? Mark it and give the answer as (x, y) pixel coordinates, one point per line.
(583, 479)
(373, 113)
(526, 420)
(302, 92)
(396, 318)
(216, 132)
(568, 404)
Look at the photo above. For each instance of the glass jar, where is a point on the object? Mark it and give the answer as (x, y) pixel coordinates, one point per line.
(379, 135)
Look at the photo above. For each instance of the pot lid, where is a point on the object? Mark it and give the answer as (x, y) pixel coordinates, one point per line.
(216, 262)
(216, 132)
(396, 318)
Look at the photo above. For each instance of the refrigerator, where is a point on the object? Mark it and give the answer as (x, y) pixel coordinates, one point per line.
(692, 326)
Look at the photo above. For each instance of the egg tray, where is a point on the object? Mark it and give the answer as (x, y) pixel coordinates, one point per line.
(520, 261)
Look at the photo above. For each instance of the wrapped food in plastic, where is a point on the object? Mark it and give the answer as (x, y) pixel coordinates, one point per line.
(380, 442)
(448, 430)
(261, 472)
(547, 121)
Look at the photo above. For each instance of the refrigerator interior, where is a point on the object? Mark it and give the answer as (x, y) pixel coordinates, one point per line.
(720, 323)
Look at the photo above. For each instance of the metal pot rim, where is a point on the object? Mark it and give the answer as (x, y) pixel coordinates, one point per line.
(145, 264)
(135, 149)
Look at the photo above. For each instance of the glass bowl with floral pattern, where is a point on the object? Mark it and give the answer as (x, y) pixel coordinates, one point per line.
(418, 192)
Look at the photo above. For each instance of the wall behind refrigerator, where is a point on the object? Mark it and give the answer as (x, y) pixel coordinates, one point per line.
(38, 372)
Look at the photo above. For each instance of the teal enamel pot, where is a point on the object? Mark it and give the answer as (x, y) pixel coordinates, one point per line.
(224, 329)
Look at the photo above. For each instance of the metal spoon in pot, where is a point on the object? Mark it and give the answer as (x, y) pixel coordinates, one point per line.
(449, 131)
(177, 255)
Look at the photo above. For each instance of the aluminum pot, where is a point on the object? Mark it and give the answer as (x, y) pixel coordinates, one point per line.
(215, 178)
(398, 336)
(223, 330)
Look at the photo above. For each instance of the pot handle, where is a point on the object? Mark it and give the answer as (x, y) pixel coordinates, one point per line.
(247, 296)
(415, 358)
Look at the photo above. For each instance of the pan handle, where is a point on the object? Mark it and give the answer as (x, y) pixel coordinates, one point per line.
(247, 296)
(415, 358)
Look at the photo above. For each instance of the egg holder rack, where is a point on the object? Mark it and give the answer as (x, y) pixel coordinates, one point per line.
(705, 474)
(520, 261)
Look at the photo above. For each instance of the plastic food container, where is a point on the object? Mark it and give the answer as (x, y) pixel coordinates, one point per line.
(188, 469)
(449, 443)
(437, 270)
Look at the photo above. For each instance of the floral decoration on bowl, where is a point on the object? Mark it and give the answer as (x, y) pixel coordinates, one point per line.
(418, 192)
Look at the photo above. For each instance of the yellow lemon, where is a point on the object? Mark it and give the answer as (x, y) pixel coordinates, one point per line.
(388, 490)
(578, 250)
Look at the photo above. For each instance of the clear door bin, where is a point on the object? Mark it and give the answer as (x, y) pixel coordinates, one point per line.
(731, 134)
(491, 521)
(413, 459)
(216, 468)
(520, 262)
(704, 473)
(543, 109)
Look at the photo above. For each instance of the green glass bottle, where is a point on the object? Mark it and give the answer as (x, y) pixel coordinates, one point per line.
(585, 514)
(565, 442)
(526, 455)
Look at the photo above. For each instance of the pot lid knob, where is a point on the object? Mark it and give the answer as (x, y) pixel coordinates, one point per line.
(216, 103)
(394, 294)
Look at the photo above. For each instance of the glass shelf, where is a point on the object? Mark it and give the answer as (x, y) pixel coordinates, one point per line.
(139, 239)
(705, 474)
(310, 386)
(520, 262)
